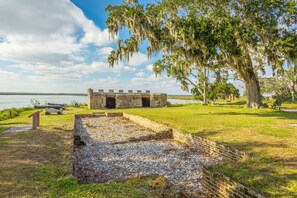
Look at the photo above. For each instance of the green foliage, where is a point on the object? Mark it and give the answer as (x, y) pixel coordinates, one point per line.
(11, 113)
(216, 90)
(281, 87)
(241, 35)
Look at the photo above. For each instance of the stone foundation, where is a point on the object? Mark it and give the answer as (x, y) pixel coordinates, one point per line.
(210, 147)
(220, 186)
(216, 184)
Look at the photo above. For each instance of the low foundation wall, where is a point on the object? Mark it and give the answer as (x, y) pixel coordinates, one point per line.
(147, 123)
(220, 186)
(215, 183)
(210, 147)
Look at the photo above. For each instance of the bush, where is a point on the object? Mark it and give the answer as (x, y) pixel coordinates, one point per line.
(11, 113)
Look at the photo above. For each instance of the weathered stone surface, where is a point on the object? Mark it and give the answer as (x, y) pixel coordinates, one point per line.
(97, 100)
(219, 185)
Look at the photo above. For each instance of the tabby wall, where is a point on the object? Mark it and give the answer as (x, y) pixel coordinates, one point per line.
(98, 100)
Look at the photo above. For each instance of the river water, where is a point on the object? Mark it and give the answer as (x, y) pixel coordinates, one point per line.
(18, 101)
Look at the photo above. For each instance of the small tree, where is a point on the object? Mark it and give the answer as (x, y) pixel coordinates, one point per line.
(279, 87)
(218, 90)
(186, 73)
(291, 78)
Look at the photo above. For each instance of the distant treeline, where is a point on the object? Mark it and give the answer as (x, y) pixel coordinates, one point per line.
(60, 94)
(181, 97)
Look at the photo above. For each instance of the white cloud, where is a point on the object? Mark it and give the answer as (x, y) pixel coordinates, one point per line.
(138, 59)
(41, 72)
(105, 51)
(158, 84)
(46, 32)
(49, 44)
(103, 67)
(8, 75)
(149, 67)
(140, 74)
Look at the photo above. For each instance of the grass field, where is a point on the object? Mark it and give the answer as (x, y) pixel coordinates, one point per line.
(38, 163)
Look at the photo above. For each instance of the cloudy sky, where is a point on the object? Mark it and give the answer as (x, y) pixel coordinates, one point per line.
(62, 46)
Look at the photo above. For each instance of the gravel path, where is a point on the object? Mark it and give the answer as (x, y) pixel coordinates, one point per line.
(107, 155)
(18, 129)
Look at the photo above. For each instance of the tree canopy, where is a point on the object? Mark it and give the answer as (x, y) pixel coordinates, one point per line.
(242, 35)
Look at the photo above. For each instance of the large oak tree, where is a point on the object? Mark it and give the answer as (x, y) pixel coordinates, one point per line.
(242, 35)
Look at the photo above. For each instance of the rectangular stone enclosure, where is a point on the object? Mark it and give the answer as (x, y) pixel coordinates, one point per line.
(110, 147)
(112, 100)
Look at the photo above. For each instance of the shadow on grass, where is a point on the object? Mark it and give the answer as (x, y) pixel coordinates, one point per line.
(241, 102)
(261, 171)
(29, 160)
(273, 114)
(208, 133)
(13, 123)
(247, 146)
(176, 105)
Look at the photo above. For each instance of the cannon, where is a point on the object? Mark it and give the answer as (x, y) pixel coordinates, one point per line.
(49, 111)
(47, 106)
(61, 105)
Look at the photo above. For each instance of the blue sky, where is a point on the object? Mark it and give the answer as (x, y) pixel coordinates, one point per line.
(62, 46)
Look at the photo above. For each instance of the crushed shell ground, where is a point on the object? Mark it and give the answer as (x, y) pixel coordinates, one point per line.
(108, 151)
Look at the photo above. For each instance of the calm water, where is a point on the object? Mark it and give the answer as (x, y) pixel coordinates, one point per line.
(175, 101)
(17, 101)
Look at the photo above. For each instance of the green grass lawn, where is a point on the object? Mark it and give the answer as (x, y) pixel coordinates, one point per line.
(46, 153)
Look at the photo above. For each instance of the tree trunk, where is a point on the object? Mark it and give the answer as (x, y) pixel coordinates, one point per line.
(293, 92)
(252, 86)
(204, 87)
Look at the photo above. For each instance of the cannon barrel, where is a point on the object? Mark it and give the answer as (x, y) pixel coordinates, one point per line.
(48, 106)
(63, 106)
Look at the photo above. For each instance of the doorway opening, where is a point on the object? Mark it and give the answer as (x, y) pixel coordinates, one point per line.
(146, 102)
(110, 103)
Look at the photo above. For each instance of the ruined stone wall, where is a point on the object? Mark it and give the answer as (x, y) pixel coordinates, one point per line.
(158, 100)
(221, 186)
(97, 100)
(210, 147)
(147, 123)
(128, 100)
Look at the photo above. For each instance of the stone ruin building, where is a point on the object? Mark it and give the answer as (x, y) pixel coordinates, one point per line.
(112, 100)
